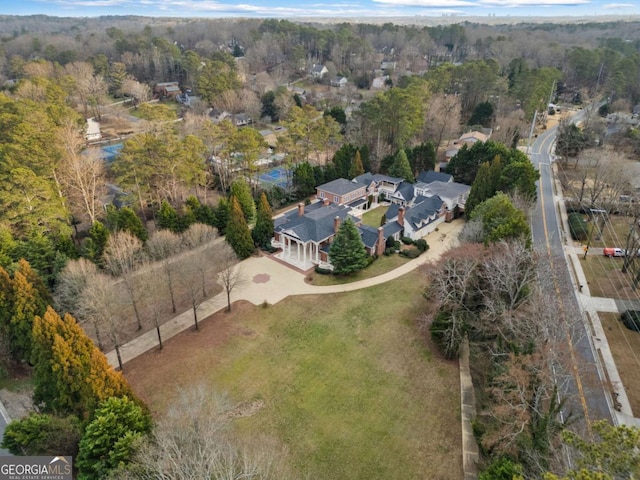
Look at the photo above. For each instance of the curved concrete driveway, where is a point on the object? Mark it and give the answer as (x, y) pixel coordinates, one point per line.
(271, 281)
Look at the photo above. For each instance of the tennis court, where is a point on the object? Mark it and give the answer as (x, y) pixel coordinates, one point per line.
(110, 152)
(274, 177)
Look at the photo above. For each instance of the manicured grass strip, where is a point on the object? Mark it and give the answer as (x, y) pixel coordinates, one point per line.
(382, 264)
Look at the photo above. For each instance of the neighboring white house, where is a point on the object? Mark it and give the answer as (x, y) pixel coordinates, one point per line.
(339, 81)
(318, 71)
(92, 130)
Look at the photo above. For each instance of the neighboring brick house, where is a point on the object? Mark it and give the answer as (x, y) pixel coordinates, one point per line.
(342, 191)
(167, 89)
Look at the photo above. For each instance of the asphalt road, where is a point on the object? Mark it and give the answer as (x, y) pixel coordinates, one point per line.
(587, 398)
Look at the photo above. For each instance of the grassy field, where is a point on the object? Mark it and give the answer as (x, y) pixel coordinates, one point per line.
(349, 388)
(382, 264)
(614, 233)
(625, 347)
(373, 217)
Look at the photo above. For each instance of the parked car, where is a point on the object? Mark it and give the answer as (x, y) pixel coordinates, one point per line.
(631, 320)
(614, 252)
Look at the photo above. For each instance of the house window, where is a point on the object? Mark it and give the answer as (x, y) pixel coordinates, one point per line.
(335, 199)
(321, 194)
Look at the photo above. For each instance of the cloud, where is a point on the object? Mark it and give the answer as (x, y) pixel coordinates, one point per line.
(428, 3)
(618, 5)
(480, 3)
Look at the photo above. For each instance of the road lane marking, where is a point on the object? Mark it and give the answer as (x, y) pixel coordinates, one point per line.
(572, 352)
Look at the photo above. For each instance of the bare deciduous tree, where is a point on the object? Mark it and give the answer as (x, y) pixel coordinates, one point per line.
(193, 441)
(230, 275)
(161, 248)
(82, 175)
(102, 306)
(200, 238)
(71, 284)
(122, 255)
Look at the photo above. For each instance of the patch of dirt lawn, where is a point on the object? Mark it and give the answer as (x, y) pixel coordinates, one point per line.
(625, 347)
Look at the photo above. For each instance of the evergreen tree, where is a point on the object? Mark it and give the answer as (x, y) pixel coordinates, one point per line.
(263, 231)
(304, 179)
(202, 213)
(356, 166)
(167, 217)
(125, 219)
(71, 376)
(481, 190)
(347, 252)
(43, 434)
(401, 168)
(130, 222)
(501, 220)
(221, 217)
(29, 297)
(242, 192)
(6, 302)
(422, 157)
(97, 241)
(109, 440)
(482, 115)
(237, 232)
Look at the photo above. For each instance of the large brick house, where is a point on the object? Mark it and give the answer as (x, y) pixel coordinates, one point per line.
(304, 234)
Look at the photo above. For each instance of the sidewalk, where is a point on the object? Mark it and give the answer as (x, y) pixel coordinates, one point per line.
(267, 280)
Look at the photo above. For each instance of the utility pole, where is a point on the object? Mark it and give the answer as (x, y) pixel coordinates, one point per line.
(593, 225)
(533, 124)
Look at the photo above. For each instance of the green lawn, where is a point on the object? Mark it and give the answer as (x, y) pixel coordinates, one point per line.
(348, 386)
(349, 389)
(382, 264)
(373, 217)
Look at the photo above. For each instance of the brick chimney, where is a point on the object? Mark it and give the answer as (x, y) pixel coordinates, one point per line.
(401, 216)
(382, 243)
(336, 224)
(300, 209)
(326, 202)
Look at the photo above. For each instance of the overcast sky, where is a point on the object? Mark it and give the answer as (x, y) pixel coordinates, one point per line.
(312, 8)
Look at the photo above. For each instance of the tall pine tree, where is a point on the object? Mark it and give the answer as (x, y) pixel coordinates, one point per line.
(263, 231)
(400, 167)
(347, 252)
(356, 166)
(237, 232)
(242, 192)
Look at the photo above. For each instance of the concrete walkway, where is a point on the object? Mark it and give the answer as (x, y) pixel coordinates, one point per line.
(267, 280)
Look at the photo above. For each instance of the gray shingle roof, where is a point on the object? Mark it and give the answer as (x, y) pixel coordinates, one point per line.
(448, 189)
(431, 176)
(369, 235)
(316, 224)
(340, 186)
(423, 210)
